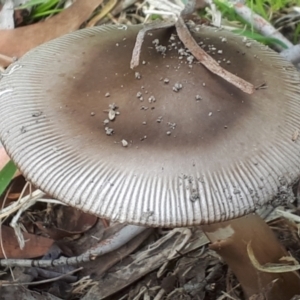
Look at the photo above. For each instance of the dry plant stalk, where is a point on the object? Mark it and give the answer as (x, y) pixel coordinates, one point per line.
(273, 268)
(190, 43)
(206, 60)
(136, 53)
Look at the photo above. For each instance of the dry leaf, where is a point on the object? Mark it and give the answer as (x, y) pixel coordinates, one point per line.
(18, 41)
(272, 267)
(70, 221)
(74, 220)
(35, 246)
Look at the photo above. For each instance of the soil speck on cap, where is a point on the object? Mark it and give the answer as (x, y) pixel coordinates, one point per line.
(112, 106)
(194, 197)
(159, 119)
(111, 114)
(137, 75)
(168, 132)
(198, 98)
(92, 113)
(190, 59)
(151, 99)
(177, 87)
(124, 143)
(166, 80)
(37, 114)
(295, 135)
(107, 94)
(161, 49)
(172, 125)
(108, 131)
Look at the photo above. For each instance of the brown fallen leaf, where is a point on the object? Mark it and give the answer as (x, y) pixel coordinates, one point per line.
(35, 245)
(70, 222)
(16, 42)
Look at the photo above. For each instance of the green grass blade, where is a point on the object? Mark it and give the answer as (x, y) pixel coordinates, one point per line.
(260, 38)
(47, 13)
(6, 175)
(46, 6)
(32, 3)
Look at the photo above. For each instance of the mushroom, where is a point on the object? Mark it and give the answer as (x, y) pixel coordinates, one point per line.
(203, 153)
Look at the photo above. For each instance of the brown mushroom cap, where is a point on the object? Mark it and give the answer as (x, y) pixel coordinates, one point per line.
(195, 150)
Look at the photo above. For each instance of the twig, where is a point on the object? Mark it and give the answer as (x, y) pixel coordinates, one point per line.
(112, 243)
(176, 248)
(16, 226)
(259, 23)
(136, 53)
(17, 205)
(167, 6)
(109, 6)
(287, 215)
(189, 42)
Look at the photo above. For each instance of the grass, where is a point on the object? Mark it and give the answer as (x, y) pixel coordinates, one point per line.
(269, 10)
(42, 8)
(6, 175)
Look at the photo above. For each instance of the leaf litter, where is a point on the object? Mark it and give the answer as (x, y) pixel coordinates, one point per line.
(171, 264)
(15, 43)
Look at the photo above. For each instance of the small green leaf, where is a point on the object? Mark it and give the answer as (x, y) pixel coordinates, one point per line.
(6, 175)
(46, 13)
(260, 38)
(46, 6)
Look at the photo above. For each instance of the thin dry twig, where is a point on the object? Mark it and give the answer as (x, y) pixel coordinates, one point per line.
(272, 268)
(205, 59)
(189, 42)
(114, 242)
(259, 23)
(136, 53)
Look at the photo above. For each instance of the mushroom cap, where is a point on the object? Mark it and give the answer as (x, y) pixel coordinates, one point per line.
(166, 144)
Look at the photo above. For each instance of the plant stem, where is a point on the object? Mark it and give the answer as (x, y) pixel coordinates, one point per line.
(230, 239)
